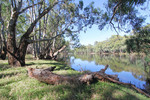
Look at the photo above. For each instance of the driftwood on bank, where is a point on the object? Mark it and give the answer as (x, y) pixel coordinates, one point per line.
(47, 76)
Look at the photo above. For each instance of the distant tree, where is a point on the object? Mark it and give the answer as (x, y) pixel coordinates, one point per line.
(139, 41)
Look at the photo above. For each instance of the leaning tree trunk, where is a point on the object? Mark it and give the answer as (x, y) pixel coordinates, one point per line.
(55, 54)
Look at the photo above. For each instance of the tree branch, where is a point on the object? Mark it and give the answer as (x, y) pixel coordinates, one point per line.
(12, 4)
(61, 33)
(114, 11)
(61, 49)
(114, 28)
(39, 40)
(15, 3)
(19, 6)
(30, 29)
(29, 7)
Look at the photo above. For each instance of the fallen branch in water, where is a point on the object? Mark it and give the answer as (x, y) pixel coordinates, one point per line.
(47, 76)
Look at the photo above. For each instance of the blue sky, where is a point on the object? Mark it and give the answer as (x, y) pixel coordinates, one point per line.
(94, 34)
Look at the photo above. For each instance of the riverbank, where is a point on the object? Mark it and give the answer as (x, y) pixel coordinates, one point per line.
(15, 84)
(111, 53)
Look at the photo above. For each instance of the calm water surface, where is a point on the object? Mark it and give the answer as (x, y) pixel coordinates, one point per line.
(129, 69)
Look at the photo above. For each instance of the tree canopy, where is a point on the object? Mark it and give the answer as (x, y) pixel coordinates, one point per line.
(46, 23)
(124, 14)
(41, 20)
(139, 41)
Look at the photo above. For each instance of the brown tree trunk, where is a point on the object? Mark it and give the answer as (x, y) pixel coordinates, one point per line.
(11, 39)
(17, 57)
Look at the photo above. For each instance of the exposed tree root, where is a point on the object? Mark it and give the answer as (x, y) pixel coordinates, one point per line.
(46, 75)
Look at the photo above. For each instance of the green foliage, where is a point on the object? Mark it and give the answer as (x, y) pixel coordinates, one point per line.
(139, 41)
(114, 44)
(124, 13)
(81, 4)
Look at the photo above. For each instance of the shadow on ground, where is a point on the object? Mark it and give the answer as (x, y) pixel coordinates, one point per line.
(4, 67)
(59, 66)
(80, 92)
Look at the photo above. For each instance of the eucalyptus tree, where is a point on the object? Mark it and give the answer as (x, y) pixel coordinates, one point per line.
(124, 15)
(139, 41)
(19, 35)
(16, 53)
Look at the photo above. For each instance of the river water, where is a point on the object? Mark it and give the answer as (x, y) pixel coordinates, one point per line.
(130, 69)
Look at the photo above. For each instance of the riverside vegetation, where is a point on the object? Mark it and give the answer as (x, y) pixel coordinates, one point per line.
(46, 24)
(15, 84)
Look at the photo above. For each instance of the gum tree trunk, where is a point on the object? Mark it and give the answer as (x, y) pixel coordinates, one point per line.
(16, 54)
(11, 39)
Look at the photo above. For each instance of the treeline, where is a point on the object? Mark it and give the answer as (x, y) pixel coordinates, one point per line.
(138, 41)
(115, 44)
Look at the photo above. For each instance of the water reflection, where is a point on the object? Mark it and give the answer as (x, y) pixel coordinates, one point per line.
(129, 69)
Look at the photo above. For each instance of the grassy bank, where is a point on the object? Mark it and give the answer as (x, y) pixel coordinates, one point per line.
(16, 85)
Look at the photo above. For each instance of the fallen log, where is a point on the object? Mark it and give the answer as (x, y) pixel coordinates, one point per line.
(47, 76)
(50, 68)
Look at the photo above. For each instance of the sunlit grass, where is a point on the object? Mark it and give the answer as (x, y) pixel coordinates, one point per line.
(16, 85)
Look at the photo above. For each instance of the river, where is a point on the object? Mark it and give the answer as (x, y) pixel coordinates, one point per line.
(130, 69)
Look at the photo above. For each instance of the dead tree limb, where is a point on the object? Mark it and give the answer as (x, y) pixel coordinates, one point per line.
(47, 76)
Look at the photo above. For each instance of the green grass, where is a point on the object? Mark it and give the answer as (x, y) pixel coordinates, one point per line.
(16, 85)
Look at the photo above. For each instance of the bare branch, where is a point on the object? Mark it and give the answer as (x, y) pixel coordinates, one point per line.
(29, 7)
(19, 6)
(39, 40)
(61, 33)
(115, 10)
(114, 28)
(12, 54)
(15, 3)
(12, 4)
(60, 50)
